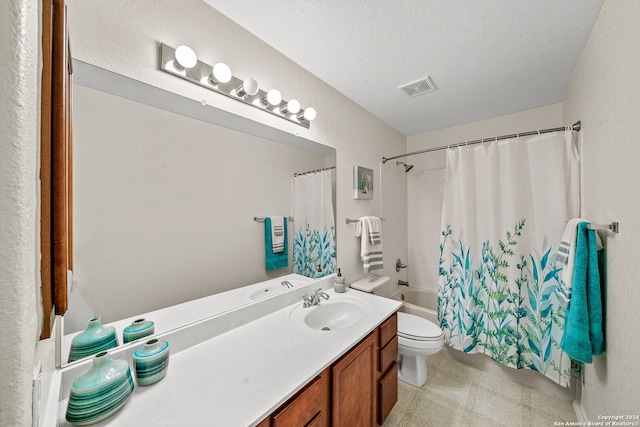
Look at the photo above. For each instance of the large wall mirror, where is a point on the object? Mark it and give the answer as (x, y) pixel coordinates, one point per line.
(165, 191)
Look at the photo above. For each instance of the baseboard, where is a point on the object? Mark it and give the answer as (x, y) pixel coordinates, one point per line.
(579, 409)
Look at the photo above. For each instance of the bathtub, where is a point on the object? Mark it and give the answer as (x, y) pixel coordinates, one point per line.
(421, 302)
(424, 303)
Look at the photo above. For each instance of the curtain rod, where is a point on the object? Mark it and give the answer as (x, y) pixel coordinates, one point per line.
(315, 170)
(576, 127)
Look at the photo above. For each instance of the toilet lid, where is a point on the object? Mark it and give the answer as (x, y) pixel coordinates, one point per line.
(416, 327)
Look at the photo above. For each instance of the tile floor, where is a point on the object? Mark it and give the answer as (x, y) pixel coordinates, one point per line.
(456, 394)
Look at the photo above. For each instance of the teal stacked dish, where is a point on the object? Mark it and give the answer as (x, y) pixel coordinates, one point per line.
(96, 338)
(151, 361)
(140, 328)
(99, 392)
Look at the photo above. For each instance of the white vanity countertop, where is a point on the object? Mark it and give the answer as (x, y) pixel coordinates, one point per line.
(241, 376)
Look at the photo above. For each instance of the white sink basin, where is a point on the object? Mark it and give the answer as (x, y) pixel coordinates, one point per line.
(339, 312)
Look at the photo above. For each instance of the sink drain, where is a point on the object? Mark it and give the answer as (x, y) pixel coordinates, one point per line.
(326, 328)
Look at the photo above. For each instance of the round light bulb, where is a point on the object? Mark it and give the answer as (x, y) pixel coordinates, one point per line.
(273, 97)
(221, 73)
(186, 57)
(308, 114)
(248, 87)
(292, 107)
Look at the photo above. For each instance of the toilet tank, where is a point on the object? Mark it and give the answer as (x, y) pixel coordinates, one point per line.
(370, 283)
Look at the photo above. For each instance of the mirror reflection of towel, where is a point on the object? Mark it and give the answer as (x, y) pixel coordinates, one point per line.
(273, 260)
(277, 233)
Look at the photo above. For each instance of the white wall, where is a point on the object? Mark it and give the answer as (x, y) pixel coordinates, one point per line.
(164, 204)
(19, 248)
(426, 182)
(123, 37)
(605, 95)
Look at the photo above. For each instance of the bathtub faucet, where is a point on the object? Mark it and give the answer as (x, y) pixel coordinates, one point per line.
(403, 283)
(400, 265)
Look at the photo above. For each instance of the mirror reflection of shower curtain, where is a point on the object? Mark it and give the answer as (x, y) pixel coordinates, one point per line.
(314, 244)
(505, 208)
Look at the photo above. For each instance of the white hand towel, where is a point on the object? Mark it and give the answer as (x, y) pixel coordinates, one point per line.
(375, 225)
(277, 234)
(371, 254)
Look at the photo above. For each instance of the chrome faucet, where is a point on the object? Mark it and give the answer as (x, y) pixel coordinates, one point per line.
(314, 299)
(287, 284)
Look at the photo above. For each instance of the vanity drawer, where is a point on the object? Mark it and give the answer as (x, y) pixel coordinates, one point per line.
(388, 355)
(387, 330)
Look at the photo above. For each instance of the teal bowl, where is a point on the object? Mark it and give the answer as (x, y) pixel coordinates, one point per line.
(95, 339)
(99, 392)
(139, 328)
(151, 362)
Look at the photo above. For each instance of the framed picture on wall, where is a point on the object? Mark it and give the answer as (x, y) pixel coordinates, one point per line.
(362, 183)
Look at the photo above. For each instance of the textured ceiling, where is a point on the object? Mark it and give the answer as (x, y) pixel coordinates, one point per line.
(487, 58)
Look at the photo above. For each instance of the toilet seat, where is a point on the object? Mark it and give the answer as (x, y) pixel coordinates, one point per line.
(415, 328)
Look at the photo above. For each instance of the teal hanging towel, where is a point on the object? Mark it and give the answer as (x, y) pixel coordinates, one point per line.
(583, 337)
(274, 261)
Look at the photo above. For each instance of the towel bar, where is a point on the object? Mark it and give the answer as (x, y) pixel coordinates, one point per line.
(349, 221)
(262, 218)
(612, 227)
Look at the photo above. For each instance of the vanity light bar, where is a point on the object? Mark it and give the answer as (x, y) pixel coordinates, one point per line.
(182, 62)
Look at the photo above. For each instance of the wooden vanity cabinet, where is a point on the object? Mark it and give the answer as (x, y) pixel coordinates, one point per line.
(387, 369)
(359, 390)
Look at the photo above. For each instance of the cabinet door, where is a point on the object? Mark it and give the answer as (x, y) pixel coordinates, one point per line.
(354, 386)
(387, 393)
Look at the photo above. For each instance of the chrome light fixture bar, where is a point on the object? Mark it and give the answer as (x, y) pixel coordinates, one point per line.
(182, 62)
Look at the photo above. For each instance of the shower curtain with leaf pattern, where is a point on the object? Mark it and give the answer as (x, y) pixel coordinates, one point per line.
(505, 208)
(314, 243)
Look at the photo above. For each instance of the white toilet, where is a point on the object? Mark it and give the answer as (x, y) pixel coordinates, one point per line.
(417, 336)
(417, 339)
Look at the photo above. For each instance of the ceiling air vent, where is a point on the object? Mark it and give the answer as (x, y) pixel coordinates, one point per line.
(418, 87)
